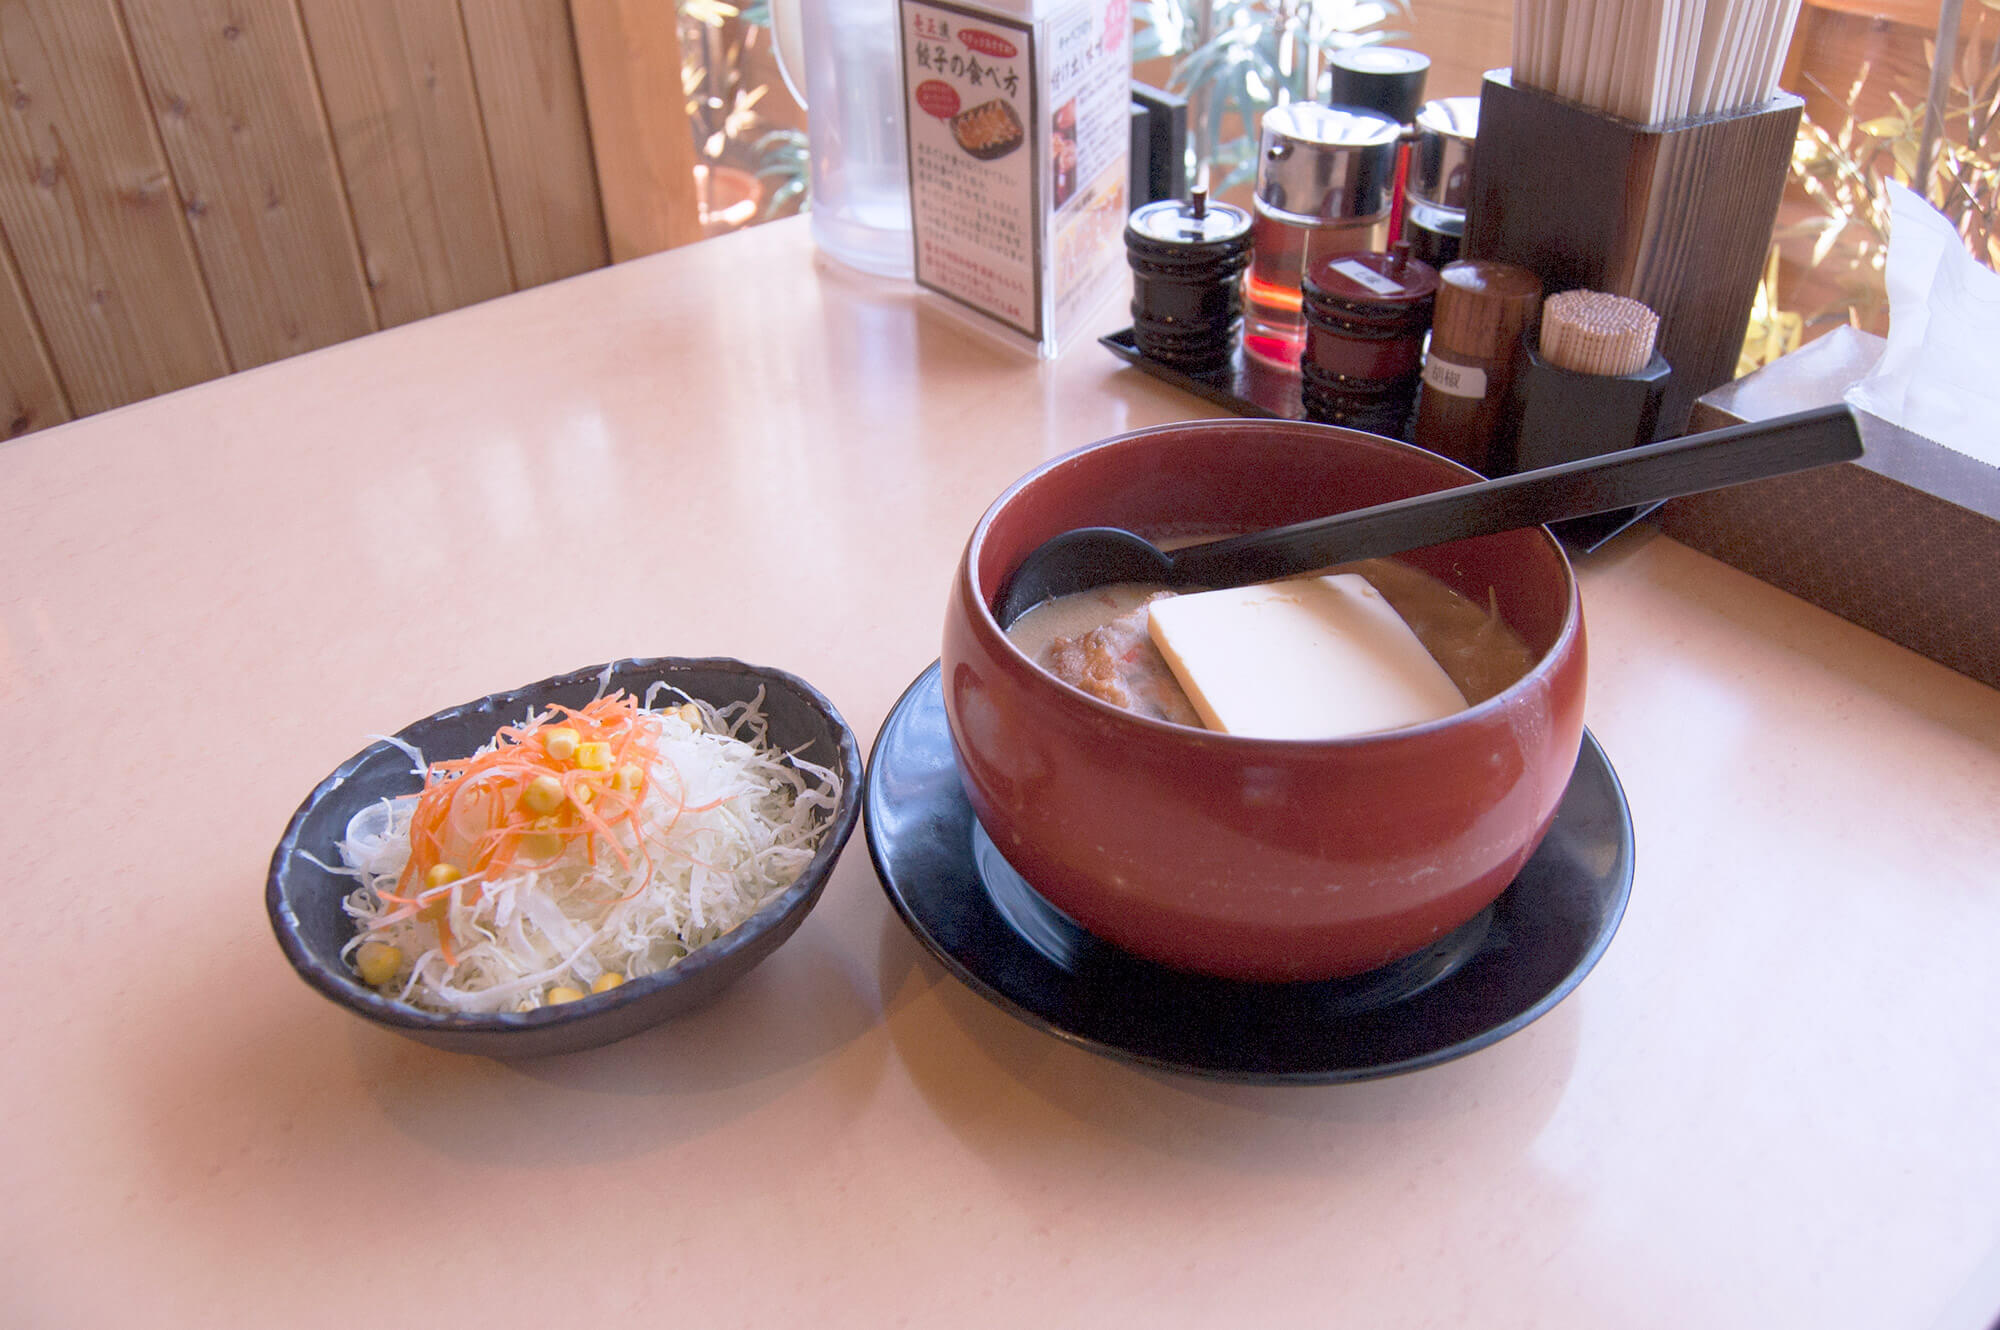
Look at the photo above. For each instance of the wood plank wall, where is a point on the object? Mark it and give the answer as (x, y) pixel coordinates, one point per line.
(190, 187)
(642, 140)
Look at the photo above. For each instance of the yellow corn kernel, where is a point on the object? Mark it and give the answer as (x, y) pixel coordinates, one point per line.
(606, 982)
(443, 875)
(690, 713)
(564, 993)
(561, 742)
(378, 962)
(594, 756)
(629, 778)
(540, 840)
(543, 795)
(581, 795)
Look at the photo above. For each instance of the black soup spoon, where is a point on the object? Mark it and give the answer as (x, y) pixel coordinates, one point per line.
(1095, 556)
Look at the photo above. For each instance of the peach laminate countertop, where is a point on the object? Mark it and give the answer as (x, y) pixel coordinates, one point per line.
(1775, 1102)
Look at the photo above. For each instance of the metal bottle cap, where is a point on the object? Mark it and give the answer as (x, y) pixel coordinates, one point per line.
(1328, 163)
(1441, 159)
(1189, 222)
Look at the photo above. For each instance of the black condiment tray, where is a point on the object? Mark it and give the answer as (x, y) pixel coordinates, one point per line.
(1250, 388)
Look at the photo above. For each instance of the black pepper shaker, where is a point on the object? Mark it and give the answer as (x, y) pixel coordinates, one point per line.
(1187, 258)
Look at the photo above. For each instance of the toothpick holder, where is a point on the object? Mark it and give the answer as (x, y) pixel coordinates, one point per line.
(1566, 416)
(1676, 215)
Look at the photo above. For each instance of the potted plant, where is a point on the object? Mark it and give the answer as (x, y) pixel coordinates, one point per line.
(1236, 59)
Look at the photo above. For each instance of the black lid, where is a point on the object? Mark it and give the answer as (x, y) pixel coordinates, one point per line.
(1387, 79)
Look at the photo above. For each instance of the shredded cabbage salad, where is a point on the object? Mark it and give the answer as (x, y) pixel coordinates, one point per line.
(580, 849)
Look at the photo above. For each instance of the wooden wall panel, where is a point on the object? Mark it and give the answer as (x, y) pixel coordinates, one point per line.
(398, 88)
(193, 186)
(90, 211)
(639, 127)
(30, 394)
(532, 101)
(232, 90)
(1463, 38)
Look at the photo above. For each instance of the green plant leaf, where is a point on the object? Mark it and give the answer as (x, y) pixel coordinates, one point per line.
(1259, 53)
(792, 191)
(1164, 28)
(711, 12)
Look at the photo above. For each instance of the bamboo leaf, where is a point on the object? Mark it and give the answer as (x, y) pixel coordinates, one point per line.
(710, 12)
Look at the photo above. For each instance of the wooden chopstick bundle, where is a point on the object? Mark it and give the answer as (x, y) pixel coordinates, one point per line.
(1654, 61)
(1595, 332)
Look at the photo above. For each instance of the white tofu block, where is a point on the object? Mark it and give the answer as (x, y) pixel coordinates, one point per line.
(1311, 658)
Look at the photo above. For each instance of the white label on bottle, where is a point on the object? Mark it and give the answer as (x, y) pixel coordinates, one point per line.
(1457, 380)
(1367, 276)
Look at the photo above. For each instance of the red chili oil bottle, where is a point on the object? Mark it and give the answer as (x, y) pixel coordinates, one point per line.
(1323, 186)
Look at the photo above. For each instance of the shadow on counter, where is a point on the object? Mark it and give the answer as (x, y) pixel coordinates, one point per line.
(957, 1045)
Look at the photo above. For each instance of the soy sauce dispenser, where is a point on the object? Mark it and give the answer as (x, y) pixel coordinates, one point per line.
(1366, 316)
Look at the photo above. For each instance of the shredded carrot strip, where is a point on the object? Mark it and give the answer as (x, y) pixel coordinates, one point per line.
(473, 806)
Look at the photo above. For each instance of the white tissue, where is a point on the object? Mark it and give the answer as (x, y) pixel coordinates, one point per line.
(1939, 375)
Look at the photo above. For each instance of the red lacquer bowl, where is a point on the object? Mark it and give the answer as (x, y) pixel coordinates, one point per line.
(1252, 858)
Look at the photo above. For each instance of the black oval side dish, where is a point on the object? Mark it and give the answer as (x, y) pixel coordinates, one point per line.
(304, 901)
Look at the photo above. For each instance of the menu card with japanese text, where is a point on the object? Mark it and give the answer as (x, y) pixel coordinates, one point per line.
(1019, 128)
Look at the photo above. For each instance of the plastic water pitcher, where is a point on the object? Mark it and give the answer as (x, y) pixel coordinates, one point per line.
(852, 92)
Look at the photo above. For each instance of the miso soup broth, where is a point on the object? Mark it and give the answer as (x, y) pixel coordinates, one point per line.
(1098, 640)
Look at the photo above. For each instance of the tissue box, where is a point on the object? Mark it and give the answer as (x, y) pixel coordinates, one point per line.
(1905, 542)
(1019, 115)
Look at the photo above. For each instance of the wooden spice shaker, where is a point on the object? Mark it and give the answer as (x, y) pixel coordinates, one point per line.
(1483, 308)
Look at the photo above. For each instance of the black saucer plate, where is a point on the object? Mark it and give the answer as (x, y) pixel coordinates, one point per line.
(1492, 977)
